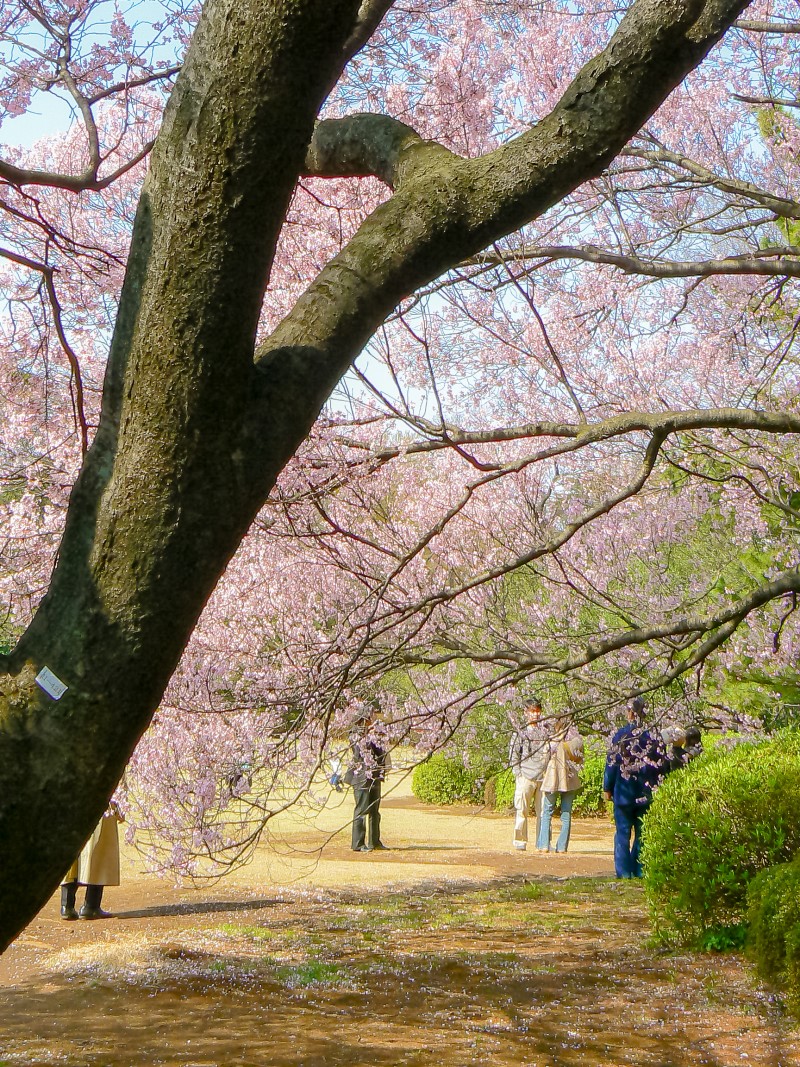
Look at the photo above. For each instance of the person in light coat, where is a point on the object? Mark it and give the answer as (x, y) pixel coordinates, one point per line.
(561, 782)
(96, 867)
(528, 754)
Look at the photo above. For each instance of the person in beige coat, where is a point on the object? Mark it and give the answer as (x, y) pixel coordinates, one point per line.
(561, 781)
(96, 867)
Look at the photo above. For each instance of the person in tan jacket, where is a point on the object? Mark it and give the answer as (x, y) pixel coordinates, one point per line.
(96, 867)
(561, 781)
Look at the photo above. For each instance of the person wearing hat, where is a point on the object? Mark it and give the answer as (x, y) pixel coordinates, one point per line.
(366, 774)
(636, 763)
(674, 738)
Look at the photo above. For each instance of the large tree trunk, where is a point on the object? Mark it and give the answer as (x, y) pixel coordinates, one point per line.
(174, 477)
(194, 430)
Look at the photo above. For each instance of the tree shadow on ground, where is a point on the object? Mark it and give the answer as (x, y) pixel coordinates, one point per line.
(558, 1008)
(539, 972)
(204, 907)
(423, 848)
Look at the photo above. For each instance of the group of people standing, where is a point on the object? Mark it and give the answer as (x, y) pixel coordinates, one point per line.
(546, 759)
(545, 756)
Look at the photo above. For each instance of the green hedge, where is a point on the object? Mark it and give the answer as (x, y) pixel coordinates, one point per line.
(773, 934)
(503, 796)
(441, 780)
(712, 827)
(445, 780)
(590, 800)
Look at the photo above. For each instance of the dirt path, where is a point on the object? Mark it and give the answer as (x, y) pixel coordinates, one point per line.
(452, 949)
(310, 851)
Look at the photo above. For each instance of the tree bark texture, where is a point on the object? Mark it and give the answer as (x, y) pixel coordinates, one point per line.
(195, 427)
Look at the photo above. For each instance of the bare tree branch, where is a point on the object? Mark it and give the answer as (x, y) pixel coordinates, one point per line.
(134, 83)
(47, 272)
(718, 626)
(768, 262)
(772, 101)
(585, 433)
(767, 27)
(781, 206)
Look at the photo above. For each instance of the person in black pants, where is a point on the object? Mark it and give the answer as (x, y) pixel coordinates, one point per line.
(366, 774)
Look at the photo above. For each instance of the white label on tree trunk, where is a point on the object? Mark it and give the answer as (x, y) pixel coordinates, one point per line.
(53, 686)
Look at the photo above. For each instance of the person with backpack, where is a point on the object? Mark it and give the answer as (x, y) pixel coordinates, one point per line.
(637, 762)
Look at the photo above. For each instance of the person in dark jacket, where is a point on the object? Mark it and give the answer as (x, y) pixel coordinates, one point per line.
(637, 761)
(693, 745)
(366, 774)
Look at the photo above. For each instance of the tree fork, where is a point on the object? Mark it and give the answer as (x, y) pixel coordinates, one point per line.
(193, 434)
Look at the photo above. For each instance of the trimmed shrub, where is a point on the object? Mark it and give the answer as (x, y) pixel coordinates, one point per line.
(590, 800)
(441, 780)
(723, 938)
(504, 786)
(712, 827)
(773, 935)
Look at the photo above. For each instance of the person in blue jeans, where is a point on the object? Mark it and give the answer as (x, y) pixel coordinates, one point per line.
(636, 763)
(561, 781)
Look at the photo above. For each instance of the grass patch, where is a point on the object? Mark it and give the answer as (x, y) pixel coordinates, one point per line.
(249, 933)
(526, 891)
(543, 907)
(312, 972)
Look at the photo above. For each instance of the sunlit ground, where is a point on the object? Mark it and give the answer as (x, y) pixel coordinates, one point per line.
(451, 950)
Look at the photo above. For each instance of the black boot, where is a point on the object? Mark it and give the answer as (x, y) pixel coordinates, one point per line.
(91, 906)
(68, 891)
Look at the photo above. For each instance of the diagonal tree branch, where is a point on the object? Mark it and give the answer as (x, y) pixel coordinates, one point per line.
(781, 206)
(755, 26)
(580, 434)
(767, 262)
(446, 209)
(370, 15)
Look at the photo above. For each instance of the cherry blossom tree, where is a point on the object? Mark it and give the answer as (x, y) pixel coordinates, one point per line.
(207, 391)
(450, 557)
